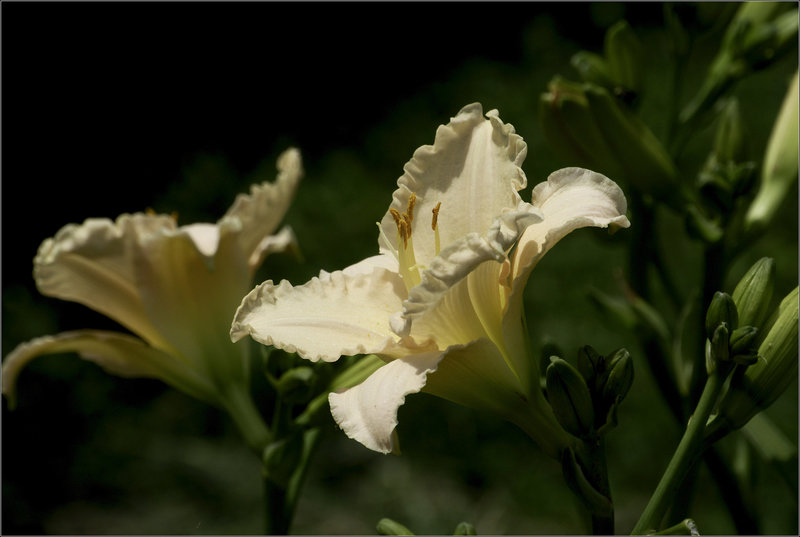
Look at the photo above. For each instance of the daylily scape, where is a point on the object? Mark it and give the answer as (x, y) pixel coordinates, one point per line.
(173, 287)
(442, 302)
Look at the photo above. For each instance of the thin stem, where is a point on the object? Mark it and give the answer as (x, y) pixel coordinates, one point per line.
(277, 513)
(685, 455)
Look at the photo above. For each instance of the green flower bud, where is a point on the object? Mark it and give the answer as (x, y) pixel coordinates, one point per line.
(620, 376)
(644, 161)
(743, 345)
(624, 55)
(753, 293)
(722, 310)
(589, 364)
(570, 128)
(719, 344)
(465, 528)
(296, 385)
(592, 68)
(779, 171)
(280, 459)
(769, 377)
(729, 138)
(570, 398)
(387, 526)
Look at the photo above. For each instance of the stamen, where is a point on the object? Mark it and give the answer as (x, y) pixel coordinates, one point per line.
(404, 232)
(412, 200)
(435, 218)
(434, 222)
(396, 215)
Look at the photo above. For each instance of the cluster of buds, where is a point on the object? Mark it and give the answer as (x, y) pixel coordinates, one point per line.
(585, 399)
(592, 125)
(758, 33)
(774, 347)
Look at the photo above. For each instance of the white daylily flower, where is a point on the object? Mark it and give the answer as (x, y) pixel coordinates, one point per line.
(442, 302)
(173, 287)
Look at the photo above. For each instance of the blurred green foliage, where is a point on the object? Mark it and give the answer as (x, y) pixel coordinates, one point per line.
(88, 453)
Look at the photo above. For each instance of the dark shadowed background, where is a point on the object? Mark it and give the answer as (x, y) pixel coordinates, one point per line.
(113, 108)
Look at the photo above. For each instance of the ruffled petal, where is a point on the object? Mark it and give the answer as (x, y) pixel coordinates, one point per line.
(341, 313)
(464, 255)
(92, 264)
(191, 297)
(118, 354)
(367, 413)
(570, 199)
(473, 169)
(262, 210)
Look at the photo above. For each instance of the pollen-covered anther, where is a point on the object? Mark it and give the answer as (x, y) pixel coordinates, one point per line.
(435, 218)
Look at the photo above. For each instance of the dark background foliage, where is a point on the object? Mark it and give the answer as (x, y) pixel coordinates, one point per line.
(116, 107)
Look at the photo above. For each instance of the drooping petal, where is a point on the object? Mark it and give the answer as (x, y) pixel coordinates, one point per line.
(570, 199)
(92, 264)
(341, 313)
(473, 169)
(262, 210)
(191, 296)
(118, 354)
(367, 413)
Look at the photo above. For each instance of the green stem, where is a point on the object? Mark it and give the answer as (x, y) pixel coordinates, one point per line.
(248, 419)
(277, 513)
(685, 455)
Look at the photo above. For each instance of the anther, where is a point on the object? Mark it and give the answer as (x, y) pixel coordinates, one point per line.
(412, 200)
(435, 218)
(396, 215)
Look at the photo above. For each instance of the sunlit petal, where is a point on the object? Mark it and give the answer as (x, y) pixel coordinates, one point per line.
(473, 169)
(367, 413)
(341, 313)
(570, 199)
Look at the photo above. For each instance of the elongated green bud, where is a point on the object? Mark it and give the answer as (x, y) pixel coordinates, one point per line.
(592, 68)
(620, 376)
(779, 171)
(722, 310)
(754, 291)
(296, 385)
(775, 369)
(624, 56)
(569, 397)
(639, 153)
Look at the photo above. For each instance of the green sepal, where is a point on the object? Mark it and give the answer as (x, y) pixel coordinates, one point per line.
(576, 480)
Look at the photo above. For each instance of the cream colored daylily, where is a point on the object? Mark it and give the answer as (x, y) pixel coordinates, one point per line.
(173, 287)
(442, 302)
